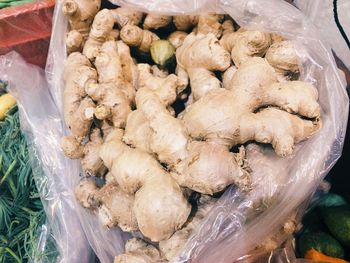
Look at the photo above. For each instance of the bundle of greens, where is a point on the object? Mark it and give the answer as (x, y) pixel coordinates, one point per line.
(21, 211)
(8, 3)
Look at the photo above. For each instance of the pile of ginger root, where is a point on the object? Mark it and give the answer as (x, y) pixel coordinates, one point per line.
(160, 109)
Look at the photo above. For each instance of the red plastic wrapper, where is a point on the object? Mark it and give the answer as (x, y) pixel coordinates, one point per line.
(27, 29)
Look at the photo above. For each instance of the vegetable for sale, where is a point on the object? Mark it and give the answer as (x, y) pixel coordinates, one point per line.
(137, 37)
(7, 101)
(157, 136)
(138, 251)
(162, 52)
(319, 257)
(321, 242)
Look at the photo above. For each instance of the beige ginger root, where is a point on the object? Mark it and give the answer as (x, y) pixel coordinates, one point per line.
(101, 29)
(244, 44)
(160, 206)
(283, 57)
(88, 153)
(172, 246)
(177, 38)
(201, 166)
(138, 251)
(163, 89)
(74, 41)
(210, 23)
(80, 14)
(229, 124)
(227, 27)
(153, 21)
(114, 206)
(78, 107)
(198, 56)
(185, 22)
(113, 94)
(129, 67)
(127, 16)
(227, 77)
(153, 99)
(137, 37)
(202, 51)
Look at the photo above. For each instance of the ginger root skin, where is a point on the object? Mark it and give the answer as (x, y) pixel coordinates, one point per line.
(177, 38)
(283, 57)
(153, 21)
(197, 57)
(91, 161)
(78, 108)
(185, 22)
(114, 206)
(138, 251)
(127, 16)
(80, 14)
(244, 44)
(74, 41)
(153, 98)
(113, 94)
(160, 206)
(226, 124)
(101, 29)
(201, 166)
(172, 246)
(137, 37)
(210, 23)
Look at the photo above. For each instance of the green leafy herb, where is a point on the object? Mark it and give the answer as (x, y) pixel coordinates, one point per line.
(21, 211)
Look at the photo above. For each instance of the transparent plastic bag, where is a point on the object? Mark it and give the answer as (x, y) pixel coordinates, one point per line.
(42, 126)
(321, 13)
(239, 222)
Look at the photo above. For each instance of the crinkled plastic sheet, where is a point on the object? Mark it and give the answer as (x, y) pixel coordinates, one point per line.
(321, 13)
(53, 173)
(239, 222)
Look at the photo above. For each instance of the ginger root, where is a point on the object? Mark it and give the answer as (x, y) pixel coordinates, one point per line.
(126, 125)
(137, 37)
(129, 67)
(153, 21)
(200, 166)
(209, 56)
(78, 107)
(160, 206)
(245, 44)
(113, 94)
(127, 16)
(114, 206)
(177, 38)
(228, 124)
(74, 41)
(138, 251)
(210, 23)
(172, 246)
(101, 29)
(80, 14)
(185, 22)
(283, 57)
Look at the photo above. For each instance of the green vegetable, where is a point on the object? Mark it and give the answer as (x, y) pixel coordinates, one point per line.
(331, 200)
(337, 219)
(321, 242)
(21, 211)
(162, 52)
(8, 3)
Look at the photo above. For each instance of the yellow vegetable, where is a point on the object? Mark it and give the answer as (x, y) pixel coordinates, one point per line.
(7, 101)
(313, 254)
